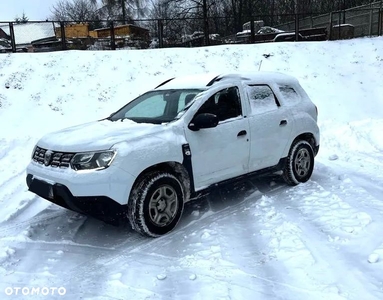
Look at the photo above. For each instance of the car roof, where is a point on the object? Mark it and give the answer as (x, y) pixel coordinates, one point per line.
(208, 80)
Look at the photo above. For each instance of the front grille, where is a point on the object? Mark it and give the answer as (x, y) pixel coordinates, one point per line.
(52, 158)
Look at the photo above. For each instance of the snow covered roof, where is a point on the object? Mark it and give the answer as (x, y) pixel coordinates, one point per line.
(203, 81)
(198, 81)
(28, 32)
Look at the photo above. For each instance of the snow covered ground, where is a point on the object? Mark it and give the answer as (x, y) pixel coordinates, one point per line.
(258, 239)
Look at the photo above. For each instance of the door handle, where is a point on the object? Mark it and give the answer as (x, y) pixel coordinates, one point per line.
(241, 133)
(283, 123)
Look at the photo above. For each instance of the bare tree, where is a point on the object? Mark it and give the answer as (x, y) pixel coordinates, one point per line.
(74, 10)
(123, 9)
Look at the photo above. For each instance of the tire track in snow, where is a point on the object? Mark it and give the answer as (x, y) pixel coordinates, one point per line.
(267, 284)
(251, 230)
(133, 248)
(324, 242)
(365, 205)
(14, 227)
(28, 208)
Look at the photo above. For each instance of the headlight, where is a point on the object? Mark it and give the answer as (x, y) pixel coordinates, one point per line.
(93, 160)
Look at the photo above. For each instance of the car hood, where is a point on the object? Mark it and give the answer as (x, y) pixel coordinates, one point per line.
(99, 135)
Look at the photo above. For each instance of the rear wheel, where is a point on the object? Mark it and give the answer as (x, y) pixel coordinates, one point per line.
(300, 163)
(156, 204)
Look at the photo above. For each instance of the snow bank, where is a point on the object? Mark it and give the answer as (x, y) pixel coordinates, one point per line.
(319, 240)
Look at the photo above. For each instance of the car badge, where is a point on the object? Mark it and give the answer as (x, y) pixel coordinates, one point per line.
(48, 157)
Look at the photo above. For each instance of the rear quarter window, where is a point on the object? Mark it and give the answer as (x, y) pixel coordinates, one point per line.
(290, 95)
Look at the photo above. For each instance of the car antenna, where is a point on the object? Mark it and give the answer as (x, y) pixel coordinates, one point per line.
(260, 65)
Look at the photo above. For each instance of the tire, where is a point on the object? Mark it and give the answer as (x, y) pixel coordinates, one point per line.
(156, 204)
(300, 163)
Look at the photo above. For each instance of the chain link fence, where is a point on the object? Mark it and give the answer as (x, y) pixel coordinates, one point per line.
(188, 32)
(365, 20)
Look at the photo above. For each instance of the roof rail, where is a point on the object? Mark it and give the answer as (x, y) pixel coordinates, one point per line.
(226, 76)
(211, 82)
(165, 82)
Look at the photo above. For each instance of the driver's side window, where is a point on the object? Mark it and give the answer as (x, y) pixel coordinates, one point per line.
(225, 104)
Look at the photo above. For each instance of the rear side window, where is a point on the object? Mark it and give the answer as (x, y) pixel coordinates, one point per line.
(262, 99)
(290, 95)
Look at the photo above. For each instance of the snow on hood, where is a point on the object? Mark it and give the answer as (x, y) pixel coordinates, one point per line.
(99, 135)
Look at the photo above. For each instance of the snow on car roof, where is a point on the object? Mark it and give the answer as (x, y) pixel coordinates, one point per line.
(204, 81)
(196, 81)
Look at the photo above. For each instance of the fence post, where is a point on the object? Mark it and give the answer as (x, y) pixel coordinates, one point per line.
(371, 23)
(160, 34)
(206, 23)
(380, 21)
(12, 33)
(296, 27)
(112, 37)
(330, 28)
(63, 37)
(252, 31)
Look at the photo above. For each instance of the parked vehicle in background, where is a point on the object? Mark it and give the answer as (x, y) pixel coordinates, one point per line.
(6, 47)
(288, 37)
(171, 144)
(268, 29)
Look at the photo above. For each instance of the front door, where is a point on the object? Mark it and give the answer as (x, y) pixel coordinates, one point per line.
(221, 152)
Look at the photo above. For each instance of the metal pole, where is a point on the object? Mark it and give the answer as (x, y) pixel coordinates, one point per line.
(12, 33)
(344, 11)
(63, 37)
(112, 37)
(206, 23)
(380, 18)
(160, 34)
(370, 29)
(252, 30)
(296, 21)
(330, 37)
(123, 11)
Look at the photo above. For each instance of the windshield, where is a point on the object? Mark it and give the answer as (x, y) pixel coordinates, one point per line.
(156, 107)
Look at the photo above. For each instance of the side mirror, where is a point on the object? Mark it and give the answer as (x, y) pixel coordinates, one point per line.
(203, 121)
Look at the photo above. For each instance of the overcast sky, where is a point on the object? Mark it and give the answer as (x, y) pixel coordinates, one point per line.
(34, 9)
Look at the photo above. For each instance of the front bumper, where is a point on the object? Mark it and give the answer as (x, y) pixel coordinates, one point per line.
(112, 182)
(100, 207)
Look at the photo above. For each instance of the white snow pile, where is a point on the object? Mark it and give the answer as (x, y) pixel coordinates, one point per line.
(255, 240)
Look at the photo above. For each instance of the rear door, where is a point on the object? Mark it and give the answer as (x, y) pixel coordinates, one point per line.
(270, 127)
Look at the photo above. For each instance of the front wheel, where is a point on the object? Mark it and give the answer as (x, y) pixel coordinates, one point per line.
(156, 204)
(300, 163)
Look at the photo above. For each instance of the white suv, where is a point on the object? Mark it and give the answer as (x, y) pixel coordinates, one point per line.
(171, 144)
